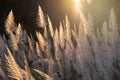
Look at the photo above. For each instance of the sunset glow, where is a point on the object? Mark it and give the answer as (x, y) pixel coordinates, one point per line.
(77, 4)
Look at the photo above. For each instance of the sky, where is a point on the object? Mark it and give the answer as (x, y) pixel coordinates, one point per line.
(25, 11)
(57, 9)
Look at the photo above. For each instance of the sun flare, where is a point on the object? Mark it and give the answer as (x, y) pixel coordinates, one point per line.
(77, 4)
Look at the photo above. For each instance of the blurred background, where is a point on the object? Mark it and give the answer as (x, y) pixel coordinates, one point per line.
(25, 11)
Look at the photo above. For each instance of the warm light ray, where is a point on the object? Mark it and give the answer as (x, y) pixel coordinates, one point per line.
(77, 4)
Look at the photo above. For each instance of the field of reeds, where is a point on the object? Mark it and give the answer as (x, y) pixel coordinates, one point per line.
(83, 52)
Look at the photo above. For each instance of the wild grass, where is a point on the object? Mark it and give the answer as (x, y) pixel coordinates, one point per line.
(81, 52)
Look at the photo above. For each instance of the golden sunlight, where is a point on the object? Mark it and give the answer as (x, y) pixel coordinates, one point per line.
(77, 4)
(90, 1)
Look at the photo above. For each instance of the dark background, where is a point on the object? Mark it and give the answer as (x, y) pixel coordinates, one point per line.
(25, 11)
